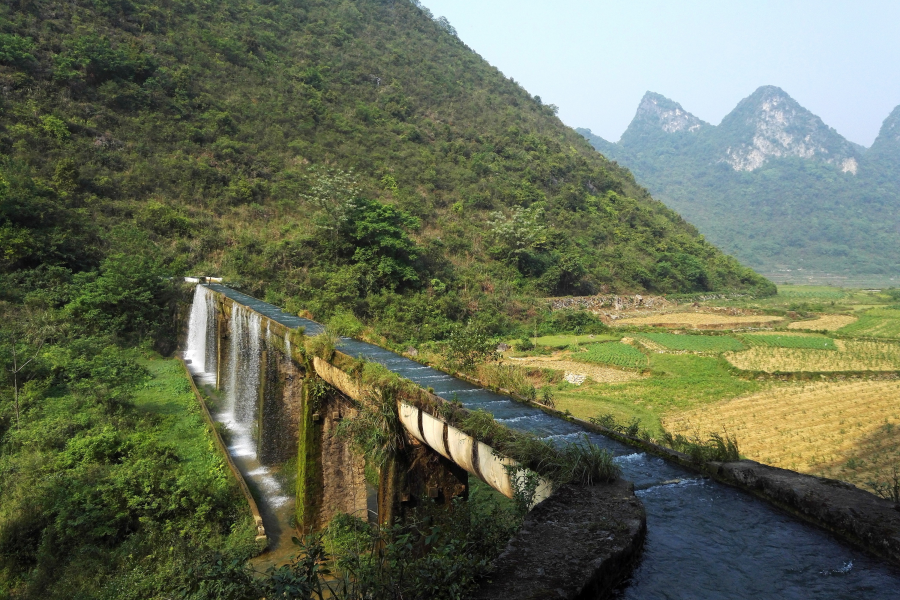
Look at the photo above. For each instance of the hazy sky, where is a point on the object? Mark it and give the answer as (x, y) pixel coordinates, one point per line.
(595, 59)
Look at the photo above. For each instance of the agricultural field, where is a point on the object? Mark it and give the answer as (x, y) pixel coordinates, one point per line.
(825, 323)
(848, 431)
(613, 353)
(876, 322)
(710, 344)
(564, 341)
(794, 340)
(851, 355)
(562, 363)
(699, 320)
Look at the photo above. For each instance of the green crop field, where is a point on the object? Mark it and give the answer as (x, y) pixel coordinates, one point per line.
(613, 353)
(694, 343)
(809, 292)
(564, 341)
(810, 342)
(876, 322)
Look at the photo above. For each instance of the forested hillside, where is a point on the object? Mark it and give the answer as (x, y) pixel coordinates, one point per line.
(772, 184)
(327, 154)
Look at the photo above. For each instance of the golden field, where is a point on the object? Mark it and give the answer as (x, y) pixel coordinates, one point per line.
(825, 323)
(698, 320)
(851, 355)
(845, 430)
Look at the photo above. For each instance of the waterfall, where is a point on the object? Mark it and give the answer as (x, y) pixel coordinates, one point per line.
(240, 409)
(201, 342)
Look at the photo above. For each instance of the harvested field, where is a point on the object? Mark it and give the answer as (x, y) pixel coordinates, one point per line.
(824, 323)
(595, 372)
(810, 341)
(700, 321)
(848, 431)
(851, 355)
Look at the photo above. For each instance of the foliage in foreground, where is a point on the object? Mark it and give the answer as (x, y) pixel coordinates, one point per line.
(110, 485)
(436, 554)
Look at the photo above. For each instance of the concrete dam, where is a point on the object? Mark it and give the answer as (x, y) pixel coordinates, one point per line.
(704, 539)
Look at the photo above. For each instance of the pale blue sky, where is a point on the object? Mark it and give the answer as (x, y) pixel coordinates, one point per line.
(838, 58)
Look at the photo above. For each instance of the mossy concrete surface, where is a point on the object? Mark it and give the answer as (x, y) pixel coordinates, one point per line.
(581, 542)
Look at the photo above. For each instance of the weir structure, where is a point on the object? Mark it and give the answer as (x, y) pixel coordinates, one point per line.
(280, 399)
(274, 407)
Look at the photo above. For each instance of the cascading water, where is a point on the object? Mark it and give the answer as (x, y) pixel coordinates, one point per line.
(705, 539)
(242, 401)
(201, 342)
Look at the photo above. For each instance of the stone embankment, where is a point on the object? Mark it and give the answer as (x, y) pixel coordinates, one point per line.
(580, 542)
(852, 513)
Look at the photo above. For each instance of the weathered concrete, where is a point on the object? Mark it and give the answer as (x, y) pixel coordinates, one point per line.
(579, 543)
(852, 513)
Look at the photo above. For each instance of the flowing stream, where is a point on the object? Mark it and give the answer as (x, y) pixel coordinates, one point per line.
(704, 539)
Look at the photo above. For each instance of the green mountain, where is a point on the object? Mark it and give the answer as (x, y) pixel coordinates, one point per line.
(772, 184)
(347, 156)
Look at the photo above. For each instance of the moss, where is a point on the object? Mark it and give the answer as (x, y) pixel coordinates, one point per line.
(309, 465)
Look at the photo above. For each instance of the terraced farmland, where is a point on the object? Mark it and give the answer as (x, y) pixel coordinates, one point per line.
(797, 340)
(613, 353)
(851, 355)
(876, 322)
(699, 320)
(693, 343)
(849, 431)
(825, 323)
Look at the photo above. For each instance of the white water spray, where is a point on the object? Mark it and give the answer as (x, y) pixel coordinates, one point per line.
(201, 342)
(242, 398)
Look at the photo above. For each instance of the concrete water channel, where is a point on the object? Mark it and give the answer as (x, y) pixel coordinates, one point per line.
(705, 539)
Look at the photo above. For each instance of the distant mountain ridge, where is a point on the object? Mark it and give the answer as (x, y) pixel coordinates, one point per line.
(772, 183)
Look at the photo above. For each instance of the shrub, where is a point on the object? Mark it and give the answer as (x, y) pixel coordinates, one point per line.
(719, 448)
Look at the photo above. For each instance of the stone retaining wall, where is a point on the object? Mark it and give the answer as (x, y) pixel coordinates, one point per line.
(581, 542)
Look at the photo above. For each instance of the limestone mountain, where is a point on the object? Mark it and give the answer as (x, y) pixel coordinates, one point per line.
(769, 124)
(772, 184)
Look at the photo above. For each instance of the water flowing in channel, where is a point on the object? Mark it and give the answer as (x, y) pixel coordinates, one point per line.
(705, 540)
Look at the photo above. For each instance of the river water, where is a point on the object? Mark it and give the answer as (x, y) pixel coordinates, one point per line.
(704, 539)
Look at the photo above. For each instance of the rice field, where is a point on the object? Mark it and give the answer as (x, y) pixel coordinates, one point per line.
(698, 320)
(851, 355)
(876, 322)
(825, 323)
(613, 353)
(797, 340)
(844, 430)
(693, 343)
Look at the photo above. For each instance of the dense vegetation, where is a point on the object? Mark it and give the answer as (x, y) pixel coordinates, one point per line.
(351, 155)
(110, 486)
(791, 212)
